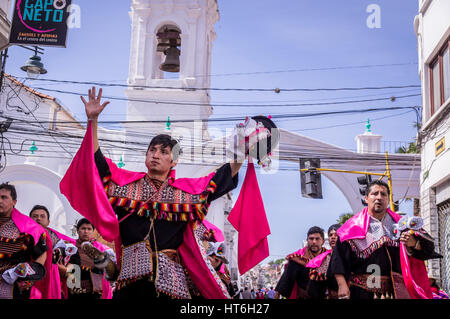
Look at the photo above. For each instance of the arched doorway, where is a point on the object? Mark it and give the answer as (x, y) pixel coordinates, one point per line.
(41, 186)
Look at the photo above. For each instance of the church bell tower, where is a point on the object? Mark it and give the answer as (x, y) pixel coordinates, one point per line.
(170, 58)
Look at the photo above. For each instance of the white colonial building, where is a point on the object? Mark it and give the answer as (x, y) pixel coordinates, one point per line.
(432, 27)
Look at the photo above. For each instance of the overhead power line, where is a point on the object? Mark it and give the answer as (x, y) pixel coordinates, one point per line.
(277, 90)
(240, 118)
(310, 69)
(231, 105)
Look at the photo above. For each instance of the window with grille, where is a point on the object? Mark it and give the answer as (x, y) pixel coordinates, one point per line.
(444, 243)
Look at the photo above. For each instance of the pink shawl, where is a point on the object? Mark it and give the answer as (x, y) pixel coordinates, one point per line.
(83, 188)
(248, 217)
(58, 284)
(300, 252)
(198, 270)
(317, 261)
(42, 288)
(64, 237)
(413, 270)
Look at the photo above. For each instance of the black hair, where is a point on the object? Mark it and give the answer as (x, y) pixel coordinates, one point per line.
(83, 221)
(333, 227)
(316, 230)
(10, 188)
(166, 140)
(36, 207)
(379, 183)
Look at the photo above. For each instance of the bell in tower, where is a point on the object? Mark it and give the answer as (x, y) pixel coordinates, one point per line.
(168, 42)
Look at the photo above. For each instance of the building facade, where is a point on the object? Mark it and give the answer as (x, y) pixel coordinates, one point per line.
(432, 27)
(5, 23)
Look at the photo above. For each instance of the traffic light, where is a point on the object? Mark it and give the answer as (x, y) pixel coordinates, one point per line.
(311, 182)
(364, 182)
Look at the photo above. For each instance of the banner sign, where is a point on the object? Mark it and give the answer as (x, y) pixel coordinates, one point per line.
(40, 22)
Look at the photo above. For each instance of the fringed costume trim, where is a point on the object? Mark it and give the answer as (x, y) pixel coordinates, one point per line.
(374, 246)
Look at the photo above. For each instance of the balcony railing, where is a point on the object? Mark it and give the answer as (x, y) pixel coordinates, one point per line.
(393, 146)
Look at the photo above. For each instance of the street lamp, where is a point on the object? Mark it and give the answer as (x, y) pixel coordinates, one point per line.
(34, 67)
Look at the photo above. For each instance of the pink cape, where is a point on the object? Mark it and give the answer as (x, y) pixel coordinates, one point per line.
(300, 252)
(317, 261)
(413, 270)
(55, 278)
(248, 217)
(83, 188)
(43, 288)
(82, 185)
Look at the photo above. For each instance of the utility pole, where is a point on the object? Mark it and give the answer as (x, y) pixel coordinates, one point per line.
(3, 56)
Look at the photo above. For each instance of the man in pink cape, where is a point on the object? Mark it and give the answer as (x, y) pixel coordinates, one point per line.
(152, 217)
(320, 285)
(64, 248)
(293, 283)
(93, 275)
(41, 215)
(369, 262)
(25, 251)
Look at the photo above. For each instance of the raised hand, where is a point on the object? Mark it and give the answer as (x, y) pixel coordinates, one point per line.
(93, 107)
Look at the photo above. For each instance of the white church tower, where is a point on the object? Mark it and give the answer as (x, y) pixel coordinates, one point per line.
(170, 54)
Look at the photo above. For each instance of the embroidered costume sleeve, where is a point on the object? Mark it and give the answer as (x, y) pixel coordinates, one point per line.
(18, 248)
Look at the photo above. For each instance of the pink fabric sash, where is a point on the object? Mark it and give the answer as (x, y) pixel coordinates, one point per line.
(58, 284)
(64, 237)
(413, 270)
(27, 225)
(193, 186)
(248, 217)
(55, 282)
(415, 275)
(43, 288)
(84, 190)
(300, 252)
(196, 267)
(316, 262)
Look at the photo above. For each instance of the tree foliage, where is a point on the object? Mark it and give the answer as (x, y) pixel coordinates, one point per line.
(343, 218)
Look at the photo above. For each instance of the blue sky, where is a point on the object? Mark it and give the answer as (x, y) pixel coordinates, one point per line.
(266, 36)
